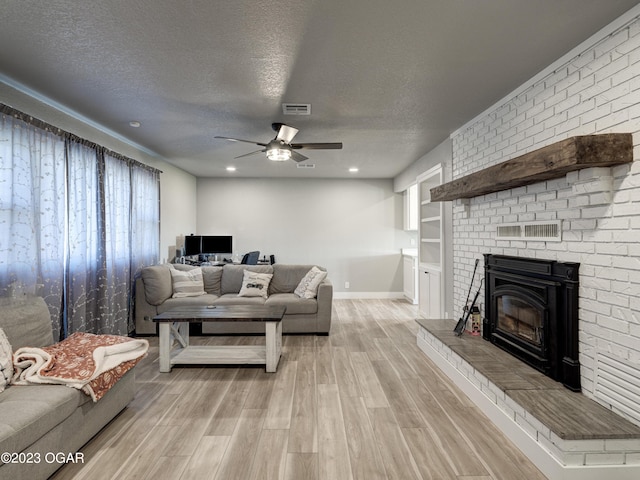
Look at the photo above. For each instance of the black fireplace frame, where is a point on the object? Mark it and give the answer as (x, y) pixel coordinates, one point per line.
(552, 285)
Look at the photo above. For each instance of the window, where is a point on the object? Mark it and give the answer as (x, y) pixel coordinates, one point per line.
(76, 223)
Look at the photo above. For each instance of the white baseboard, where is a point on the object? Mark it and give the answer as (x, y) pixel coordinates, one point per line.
(380, 295)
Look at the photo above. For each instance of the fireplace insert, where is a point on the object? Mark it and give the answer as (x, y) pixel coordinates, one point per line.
(531, 311)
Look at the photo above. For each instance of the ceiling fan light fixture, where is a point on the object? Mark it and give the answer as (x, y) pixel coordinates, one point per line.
(280, 149)
(279, 154)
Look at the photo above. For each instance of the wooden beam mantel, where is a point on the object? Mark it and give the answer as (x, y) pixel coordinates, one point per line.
(546, 163)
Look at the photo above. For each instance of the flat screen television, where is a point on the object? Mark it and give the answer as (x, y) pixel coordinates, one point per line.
(217, 244)
(192, 245)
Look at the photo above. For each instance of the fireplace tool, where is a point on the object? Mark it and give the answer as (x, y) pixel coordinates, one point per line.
(462, 321)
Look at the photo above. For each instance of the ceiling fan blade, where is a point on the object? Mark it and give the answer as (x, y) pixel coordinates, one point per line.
(286, 133)
(318, 146)
(298, 157)
(252, 153)
(241, 140)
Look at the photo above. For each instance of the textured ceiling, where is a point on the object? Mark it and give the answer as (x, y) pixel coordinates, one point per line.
(391, 80)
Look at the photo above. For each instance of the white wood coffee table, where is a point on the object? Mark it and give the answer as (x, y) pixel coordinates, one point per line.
(174, 336)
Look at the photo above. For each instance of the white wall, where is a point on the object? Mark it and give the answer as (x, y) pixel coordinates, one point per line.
(178, 209)
(177, 188)
(351, 227)
(594, 90)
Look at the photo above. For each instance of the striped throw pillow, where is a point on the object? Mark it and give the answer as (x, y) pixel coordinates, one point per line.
(308, 286)
(187, 283)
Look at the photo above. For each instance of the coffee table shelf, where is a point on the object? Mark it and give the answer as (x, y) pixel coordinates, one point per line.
(223, 354)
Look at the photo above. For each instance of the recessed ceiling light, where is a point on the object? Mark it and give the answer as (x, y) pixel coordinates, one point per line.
(353, 170)
(231, 169)
(134, 123)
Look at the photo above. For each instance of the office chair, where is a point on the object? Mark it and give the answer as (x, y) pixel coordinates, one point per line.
(250, 258)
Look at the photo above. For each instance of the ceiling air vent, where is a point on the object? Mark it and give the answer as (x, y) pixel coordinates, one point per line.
(296, 108)
(306, 165)
(535, 231)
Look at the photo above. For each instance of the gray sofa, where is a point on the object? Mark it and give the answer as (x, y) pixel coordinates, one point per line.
(153, 295)
(41, 420)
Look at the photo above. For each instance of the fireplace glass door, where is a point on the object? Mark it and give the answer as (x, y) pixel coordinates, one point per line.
(521, 319)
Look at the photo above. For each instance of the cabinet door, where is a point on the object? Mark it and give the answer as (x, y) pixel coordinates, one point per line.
(409, 278)
(434, 295)
(429, 302)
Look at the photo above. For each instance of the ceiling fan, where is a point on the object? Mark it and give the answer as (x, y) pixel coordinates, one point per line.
(281, 149)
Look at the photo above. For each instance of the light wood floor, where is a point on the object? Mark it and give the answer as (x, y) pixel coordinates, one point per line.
(363, 403)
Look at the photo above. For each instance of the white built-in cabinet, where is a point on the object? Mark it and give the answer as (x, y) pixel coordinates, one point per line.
(410, 277)
(430, 248)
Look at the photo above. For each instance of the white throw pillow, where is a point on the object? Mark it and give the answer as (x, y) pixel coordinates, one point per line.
(6, 361)
(308, 286)
(255, 284)
(187, 283)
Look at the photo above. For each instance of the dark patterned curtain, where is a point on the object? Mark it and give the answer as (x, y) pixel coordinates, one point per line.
(78, 222)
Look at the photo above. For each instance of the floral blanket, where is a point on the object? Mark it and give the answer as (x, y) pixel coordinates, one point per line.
(88, 362)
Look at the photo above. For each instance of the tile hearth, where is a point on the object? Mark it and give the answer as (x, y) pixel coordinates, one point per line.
(575, 430)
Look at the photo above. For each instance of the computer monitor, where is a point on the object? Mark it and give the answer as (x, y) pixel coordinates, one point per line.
(217, 244)
(192, 245)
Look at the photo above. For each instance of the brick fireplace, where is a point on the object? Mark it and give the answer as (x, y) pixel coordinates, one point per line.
(599, 207)
(592, 90)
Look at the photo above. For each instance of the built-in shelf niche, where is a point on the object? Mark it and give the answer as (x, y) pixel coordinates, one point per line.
(430, 219)
(430, 252)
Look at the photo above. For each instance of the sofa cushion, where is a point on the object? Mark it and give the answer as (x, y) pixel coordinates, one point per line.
(308, 286)
(28, 412)
(187, 283)
(212, 277)
(202, 300)
(287, 277)
(234, 299)
(157, 283)
(255, 284)
(6, 361)
(26, 322)
(233, 275)
(295, 305)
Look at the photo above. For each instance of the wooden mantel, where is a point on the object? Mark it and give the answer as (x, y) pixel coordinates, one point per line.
(546, 163)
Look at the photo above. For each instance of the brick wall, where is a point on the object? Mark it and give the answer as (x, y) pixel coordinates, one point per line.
(597, 91)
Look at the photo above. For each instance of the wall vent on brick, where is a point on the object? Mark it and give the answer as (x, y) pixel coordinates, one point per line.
(535, 231)
(617, 382)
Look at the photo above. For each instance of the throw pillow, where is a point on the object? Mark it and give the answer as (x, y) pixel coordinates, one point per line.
(308, 286)
(157, 284)
(187, 283)
(6, 361)
(212, 279)
(255, 284)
